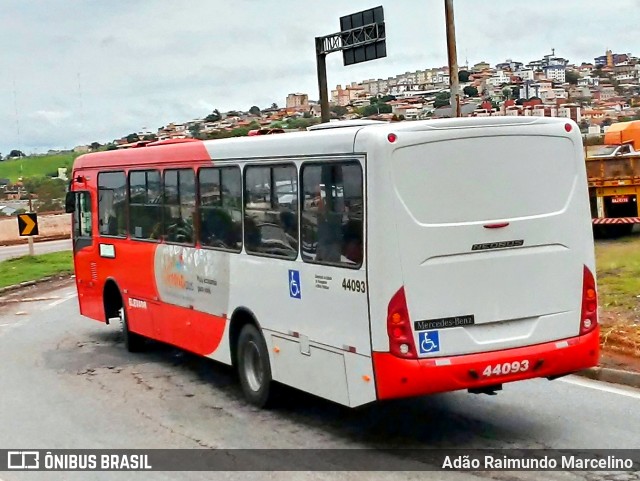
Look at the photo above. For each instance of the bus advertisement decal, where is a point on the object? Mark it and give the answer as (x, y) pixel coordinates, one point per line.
(444, 323)
(193, 278)
(429, 342)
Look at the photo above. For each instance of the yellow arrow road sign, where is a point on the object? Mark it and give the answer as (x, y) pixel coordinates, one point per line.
(28, 224)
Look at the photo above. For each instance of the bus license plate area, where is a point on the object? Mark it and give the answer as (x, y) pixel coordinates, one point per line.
(506, 368)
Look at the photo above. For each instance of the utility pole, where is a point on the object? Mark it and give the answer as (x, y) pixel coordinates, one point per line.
(453, 58)
(321, 63)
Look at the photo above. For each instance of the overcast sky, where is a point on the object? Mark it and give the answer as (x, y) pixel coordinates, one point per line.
(79, 71)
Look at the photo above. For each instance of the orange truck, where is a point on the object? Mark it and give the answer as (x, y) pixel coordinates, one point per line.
(613, 174)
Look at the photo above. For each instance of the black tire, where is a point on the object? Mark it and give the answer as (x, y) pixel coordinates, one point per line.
(132, 342)
(254, 368)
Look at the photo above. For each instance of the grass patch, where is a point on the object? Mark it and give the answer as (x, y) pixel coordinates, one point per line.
(36, 166)
(31, 268)
(618, 270)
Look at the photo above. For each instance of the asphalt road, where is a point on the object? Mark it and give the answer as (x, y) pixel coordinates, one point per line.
(7, 252)
(67, 382)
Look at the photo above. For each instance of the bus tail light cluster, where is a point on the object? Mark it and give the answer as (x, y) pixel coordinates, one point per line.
(399, 327)
(589, 317)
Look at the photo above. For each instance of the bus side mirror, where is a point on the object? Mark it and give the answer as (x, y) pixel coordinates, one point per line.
(70, 202)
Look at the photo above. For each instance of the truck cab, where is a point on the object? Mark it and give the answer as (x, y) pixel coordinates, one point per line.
(614, 151)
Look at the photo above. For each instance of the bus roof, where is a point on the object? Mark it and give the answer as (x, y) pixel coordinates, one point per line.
(325, 141)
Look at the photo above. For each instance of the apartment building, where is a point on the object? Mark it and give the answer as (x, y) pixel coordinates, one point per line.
(297, 100)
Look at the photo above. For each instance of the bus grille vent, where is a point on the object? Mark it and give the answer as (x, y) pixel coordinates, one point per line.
(94, 271)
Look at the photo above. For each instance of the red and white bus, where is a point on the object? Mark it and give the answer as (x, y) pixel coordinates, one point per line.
(359, 263)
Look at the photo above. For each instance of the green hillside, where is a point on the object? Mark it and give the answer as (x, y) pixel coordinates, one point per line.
(36, 166)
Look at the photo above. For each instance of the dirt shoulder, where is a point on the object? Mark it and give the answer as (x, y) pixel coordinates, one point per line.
(620, 340)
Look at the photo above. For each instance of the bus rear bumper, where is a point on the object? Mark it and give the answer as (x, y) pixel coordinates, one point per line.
(398, 378)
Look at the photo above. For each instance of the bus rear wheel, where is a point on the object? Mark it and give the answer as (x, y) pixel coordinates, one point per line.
(254, 369)
(132, 342)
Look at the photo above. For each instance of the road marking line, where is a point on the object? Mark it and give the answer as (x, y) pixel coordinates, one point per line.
(601, 386)
(58, 302)
(29, 299)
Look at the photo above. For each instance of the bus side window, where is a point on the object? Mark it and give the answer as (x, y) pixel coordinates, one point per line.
(271, 210)
(112, 204)
(145, 204)
(332, 213)
(221, 207)
(179, 205)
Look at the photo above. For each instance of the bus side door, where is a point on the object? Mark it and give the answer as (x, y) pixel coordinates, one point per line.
(84, 257)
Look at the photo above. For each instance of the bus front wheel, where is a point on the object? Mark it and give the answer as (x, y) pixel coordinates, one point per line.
(254, 368)
(132, 342)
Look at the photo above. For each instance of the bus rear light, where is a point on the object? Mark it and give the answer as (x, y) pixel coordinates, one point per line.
(589, 315)
(392, 138)
(399, 327)
(568, 127)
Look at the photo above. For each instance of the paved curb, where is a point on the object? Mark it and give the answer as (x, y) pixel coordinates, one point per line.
(615, 376)
(36, 239)
(22, 285)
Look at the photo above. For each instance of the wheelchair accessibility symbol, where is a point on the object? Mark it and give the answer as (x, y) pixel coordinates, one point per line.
(294, 284)
(429, 342)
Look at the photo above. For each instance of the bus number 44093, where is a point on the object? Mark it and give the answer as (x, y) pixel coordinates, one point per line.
(353, 285)
(506, 368)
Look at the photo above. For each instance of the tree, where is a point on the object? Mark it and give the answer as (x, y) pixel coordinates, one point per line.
(506, 92)
(606, 122)
(572, 77)
(274, 106)
(443, 99)
(213, 116)
(50, 192)
(240, 132)
(339, 110)
(255, 110)
(470, 91)
(463, 76)
(301, 123)
(387, 98)
(95, 146)
(16, 153)
(195, 130)
(375, 109)
(307, 115)
(133, 138)
(584, 125)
